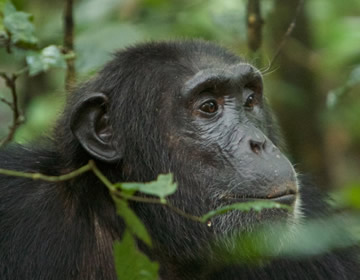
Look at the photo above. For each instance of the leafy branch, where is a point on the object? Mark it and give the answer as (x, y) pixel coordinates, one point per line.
(162, 187)
(18, 32)
(133, 264)
(126, 254)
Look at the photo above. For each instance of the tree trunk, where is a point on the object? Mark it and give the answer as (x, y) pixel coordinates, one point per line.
(299, 104)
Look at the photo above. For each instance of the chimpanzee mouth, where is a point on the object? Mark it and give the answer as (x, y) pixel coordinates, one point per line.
(287, 197)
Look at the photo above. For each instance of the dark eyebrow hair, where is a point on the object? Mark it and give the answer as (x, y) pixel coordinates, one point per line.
(204, 79)
(241, 73)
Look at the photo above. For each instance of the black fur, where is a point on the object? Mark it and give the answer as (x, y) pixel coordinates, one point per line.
(66, 230)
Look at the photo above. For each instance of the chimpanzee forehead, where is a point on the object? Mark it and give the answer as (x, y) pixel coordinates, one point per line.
(240, 74)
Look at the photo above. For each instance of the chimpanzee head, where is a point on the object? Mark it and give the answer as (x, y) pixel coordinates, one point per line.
(193, 109)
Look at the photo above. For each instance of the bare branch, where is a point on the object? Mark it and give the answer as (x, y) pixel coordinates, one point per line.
(254, 24)
(69, 43)
(18, 118)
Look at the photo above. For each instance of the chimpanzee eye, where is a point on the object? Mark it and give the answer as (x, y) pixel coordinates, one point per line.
(209, 107)
(250, 102)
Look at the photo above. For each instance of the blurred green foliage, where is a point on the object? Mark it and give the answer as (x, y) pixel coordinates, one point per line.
(315, 237)
(336, 36)
(104, 26)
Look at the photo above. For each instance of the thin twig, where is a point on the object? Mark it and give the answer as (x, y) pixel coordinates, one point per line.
(116, 193)
(18, 118)
(3, 100)
(69, 43)
(287, 34)
(102, 177)
(160, 202)
(39, 176)
(184, 214)
(112, 188)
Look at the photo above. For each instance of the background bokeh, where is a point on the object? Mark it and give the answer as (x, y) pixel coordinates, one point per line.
(314, 86)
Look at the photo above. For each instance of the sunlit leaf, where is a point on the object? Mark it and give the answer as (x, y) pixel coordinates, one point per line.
(133, 223)
(244, 206)
(162, 187)
(42, 61)
(130, 263)
(19, 25)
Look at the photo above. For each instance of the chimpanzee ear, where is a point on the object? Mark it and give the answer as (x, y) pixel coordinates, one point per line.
(89, 123)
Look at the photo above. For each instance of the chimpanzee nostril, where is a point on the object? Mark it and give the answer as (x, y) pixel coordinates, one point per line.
(257, 147)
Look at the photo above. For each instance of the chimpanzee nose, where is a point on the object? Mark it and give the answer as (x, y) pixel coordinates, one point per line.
(257, 146)
(257, 141)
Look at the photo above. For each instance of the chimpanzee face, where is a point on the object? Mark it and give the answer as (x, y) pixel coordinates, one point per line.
(221, 125)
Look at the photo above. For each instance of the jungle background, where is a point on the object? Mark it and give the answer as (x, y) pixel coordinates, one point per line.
(313, 84)
(308, 51)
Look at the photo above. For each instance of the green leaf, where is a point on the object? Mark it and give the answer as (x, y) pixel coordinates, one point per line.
(126, 190)
(131, 264)
(19, 25)
(162, 187)
(6, 7)
(243, 206)
(50, 56)
(133, 223)
(2, 27)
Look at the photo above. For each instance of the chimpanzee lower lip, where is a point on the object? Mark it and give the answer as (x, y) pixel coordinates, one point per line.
(287, 199)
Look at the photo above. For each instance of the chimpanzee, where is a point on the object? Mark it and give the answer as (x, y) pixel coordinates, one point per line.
(189, 107)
